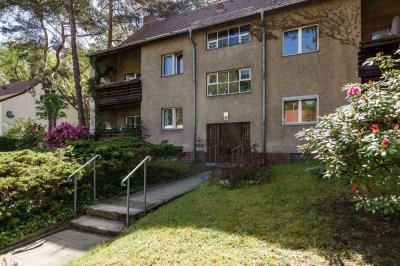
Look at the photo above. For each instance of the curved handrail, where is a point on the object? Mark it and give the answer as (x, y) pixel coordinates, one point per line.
(148, 158)
(83, 166)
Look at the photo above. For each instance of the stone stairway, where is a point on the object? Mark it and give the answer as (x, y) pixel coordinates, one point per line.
(108, 216)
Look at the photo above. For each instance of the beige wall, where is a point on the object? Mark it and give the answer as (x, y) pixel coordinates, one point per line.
(377, 15)
(321, 73)
(23, 106)
(244, 107)
(164, 92)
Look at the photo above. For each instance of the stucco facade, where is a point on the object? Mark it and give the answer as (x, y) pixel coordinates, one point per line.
(23, 106)
(321, 73)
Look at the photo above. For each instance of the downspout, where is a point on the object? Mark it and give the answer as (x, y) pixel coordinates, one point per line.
(194, 95)
(264, 87)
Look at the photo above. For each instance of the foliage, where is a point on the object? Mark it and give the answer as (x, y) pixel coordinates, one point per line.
(59, 136)
(7, 144)
(50, 107)
(360, 142)
(294, 220)
(33, 191)
(247, 170)
(13, 63)
(120, 155)
(26, 134)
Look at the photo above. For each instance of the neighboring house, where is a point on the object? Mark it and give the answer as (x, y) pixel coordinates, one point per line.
(17, 101)
(214, 79)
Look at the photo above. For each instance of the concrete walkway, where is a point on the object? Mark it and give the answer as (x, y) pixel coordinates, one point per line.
(102, 220)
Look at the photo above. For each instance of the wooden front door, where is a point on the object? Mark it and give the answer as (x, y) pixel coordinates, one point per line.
(223, 140)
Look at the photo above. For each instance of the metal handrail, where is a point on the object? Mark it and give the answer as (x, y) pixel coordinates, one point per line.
(128, 190)
(236, 148)
(76, 182)
(215, 153)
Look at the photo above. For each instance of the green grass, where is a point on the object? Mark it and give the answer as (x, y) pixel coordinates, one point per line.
(294, 219)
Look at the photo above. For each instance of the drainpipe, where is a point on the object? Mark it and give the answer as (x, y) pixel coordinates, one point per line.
(264, 87)
(194, 94)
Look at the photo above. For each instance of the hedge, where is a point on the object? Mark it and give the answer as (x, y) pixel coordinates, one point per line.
(7, 144)
(33, 190)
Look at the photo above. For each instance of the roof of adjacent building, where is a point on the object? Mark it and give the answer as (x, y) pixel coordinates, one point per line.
(200, 18)
(14, 88)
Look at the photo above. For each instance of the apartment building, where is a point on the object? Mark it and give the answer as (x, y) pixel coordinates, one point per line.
(221, 78)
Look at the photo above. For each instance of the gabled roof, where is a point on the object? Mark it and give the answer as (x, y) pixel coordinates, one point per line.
(200, 18)
(14, 89)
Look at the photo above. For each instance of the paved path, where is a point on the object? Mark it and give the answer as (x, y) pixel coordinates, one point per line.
(64, 246)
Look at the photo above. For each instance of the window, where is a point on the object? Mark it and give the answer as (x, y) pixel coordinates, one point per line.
(382, 33)
(301, 40)
(229, 82)
(173, 64)
(228, 37)
(132, 121)
(172, 118)
(300, 110)
(132, 76)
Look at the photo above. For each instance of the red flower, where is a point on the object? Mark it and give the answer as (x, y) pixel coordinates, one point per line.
(354, 188)
(375, 128)
(385, 142)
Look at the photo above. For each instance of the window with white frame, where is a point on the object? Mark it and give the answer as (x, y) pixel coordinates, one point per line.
(300, 110)
(172, 118)
(172, 64)
(229, 82)
(228, 37)
(132, 76)
(301, 40)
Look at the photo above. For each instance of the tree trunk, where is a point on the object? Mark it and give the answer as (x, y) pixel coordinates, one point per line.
(110, 24)
(75, 65)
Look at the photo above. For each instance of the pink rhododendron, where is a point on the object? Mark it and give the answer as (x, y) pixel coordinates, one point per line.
(60, 135)
(353, 91)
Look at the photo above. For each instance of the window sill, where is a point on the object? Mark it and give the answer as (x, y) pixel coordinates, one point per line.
(208, 49)
(228, 94)
(172, 129)
(173, 75)
(301, 124)
(290, 55)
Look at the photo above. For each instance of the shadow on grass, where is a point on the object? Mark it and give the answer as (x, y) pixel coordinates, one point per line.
(295, 211)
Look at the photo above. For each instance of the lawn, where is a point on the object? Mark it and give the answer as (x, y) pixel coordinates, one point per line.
(295, 219)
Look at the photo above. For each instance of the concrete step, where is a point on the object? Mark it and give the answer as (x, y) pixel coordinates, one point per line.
(98, 225)
(112, 212)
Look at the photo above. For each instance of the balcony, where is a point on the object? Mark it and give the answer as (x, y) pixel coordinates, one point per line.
(369, 49)
(121, 92)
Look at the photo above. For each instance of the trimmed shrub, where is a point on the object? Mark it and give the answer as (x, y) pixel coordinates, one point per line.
(7, 144)
(33, 187)
(120, 155)
(59, 136)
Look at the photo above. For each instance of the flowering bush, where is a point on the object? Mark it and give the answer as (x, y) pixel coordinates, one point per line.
(360, 142)
(59, 136)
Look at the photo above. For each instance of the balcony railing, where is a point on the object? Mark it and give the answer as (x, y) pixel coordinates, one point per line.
(370, 49)
(122, 92)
